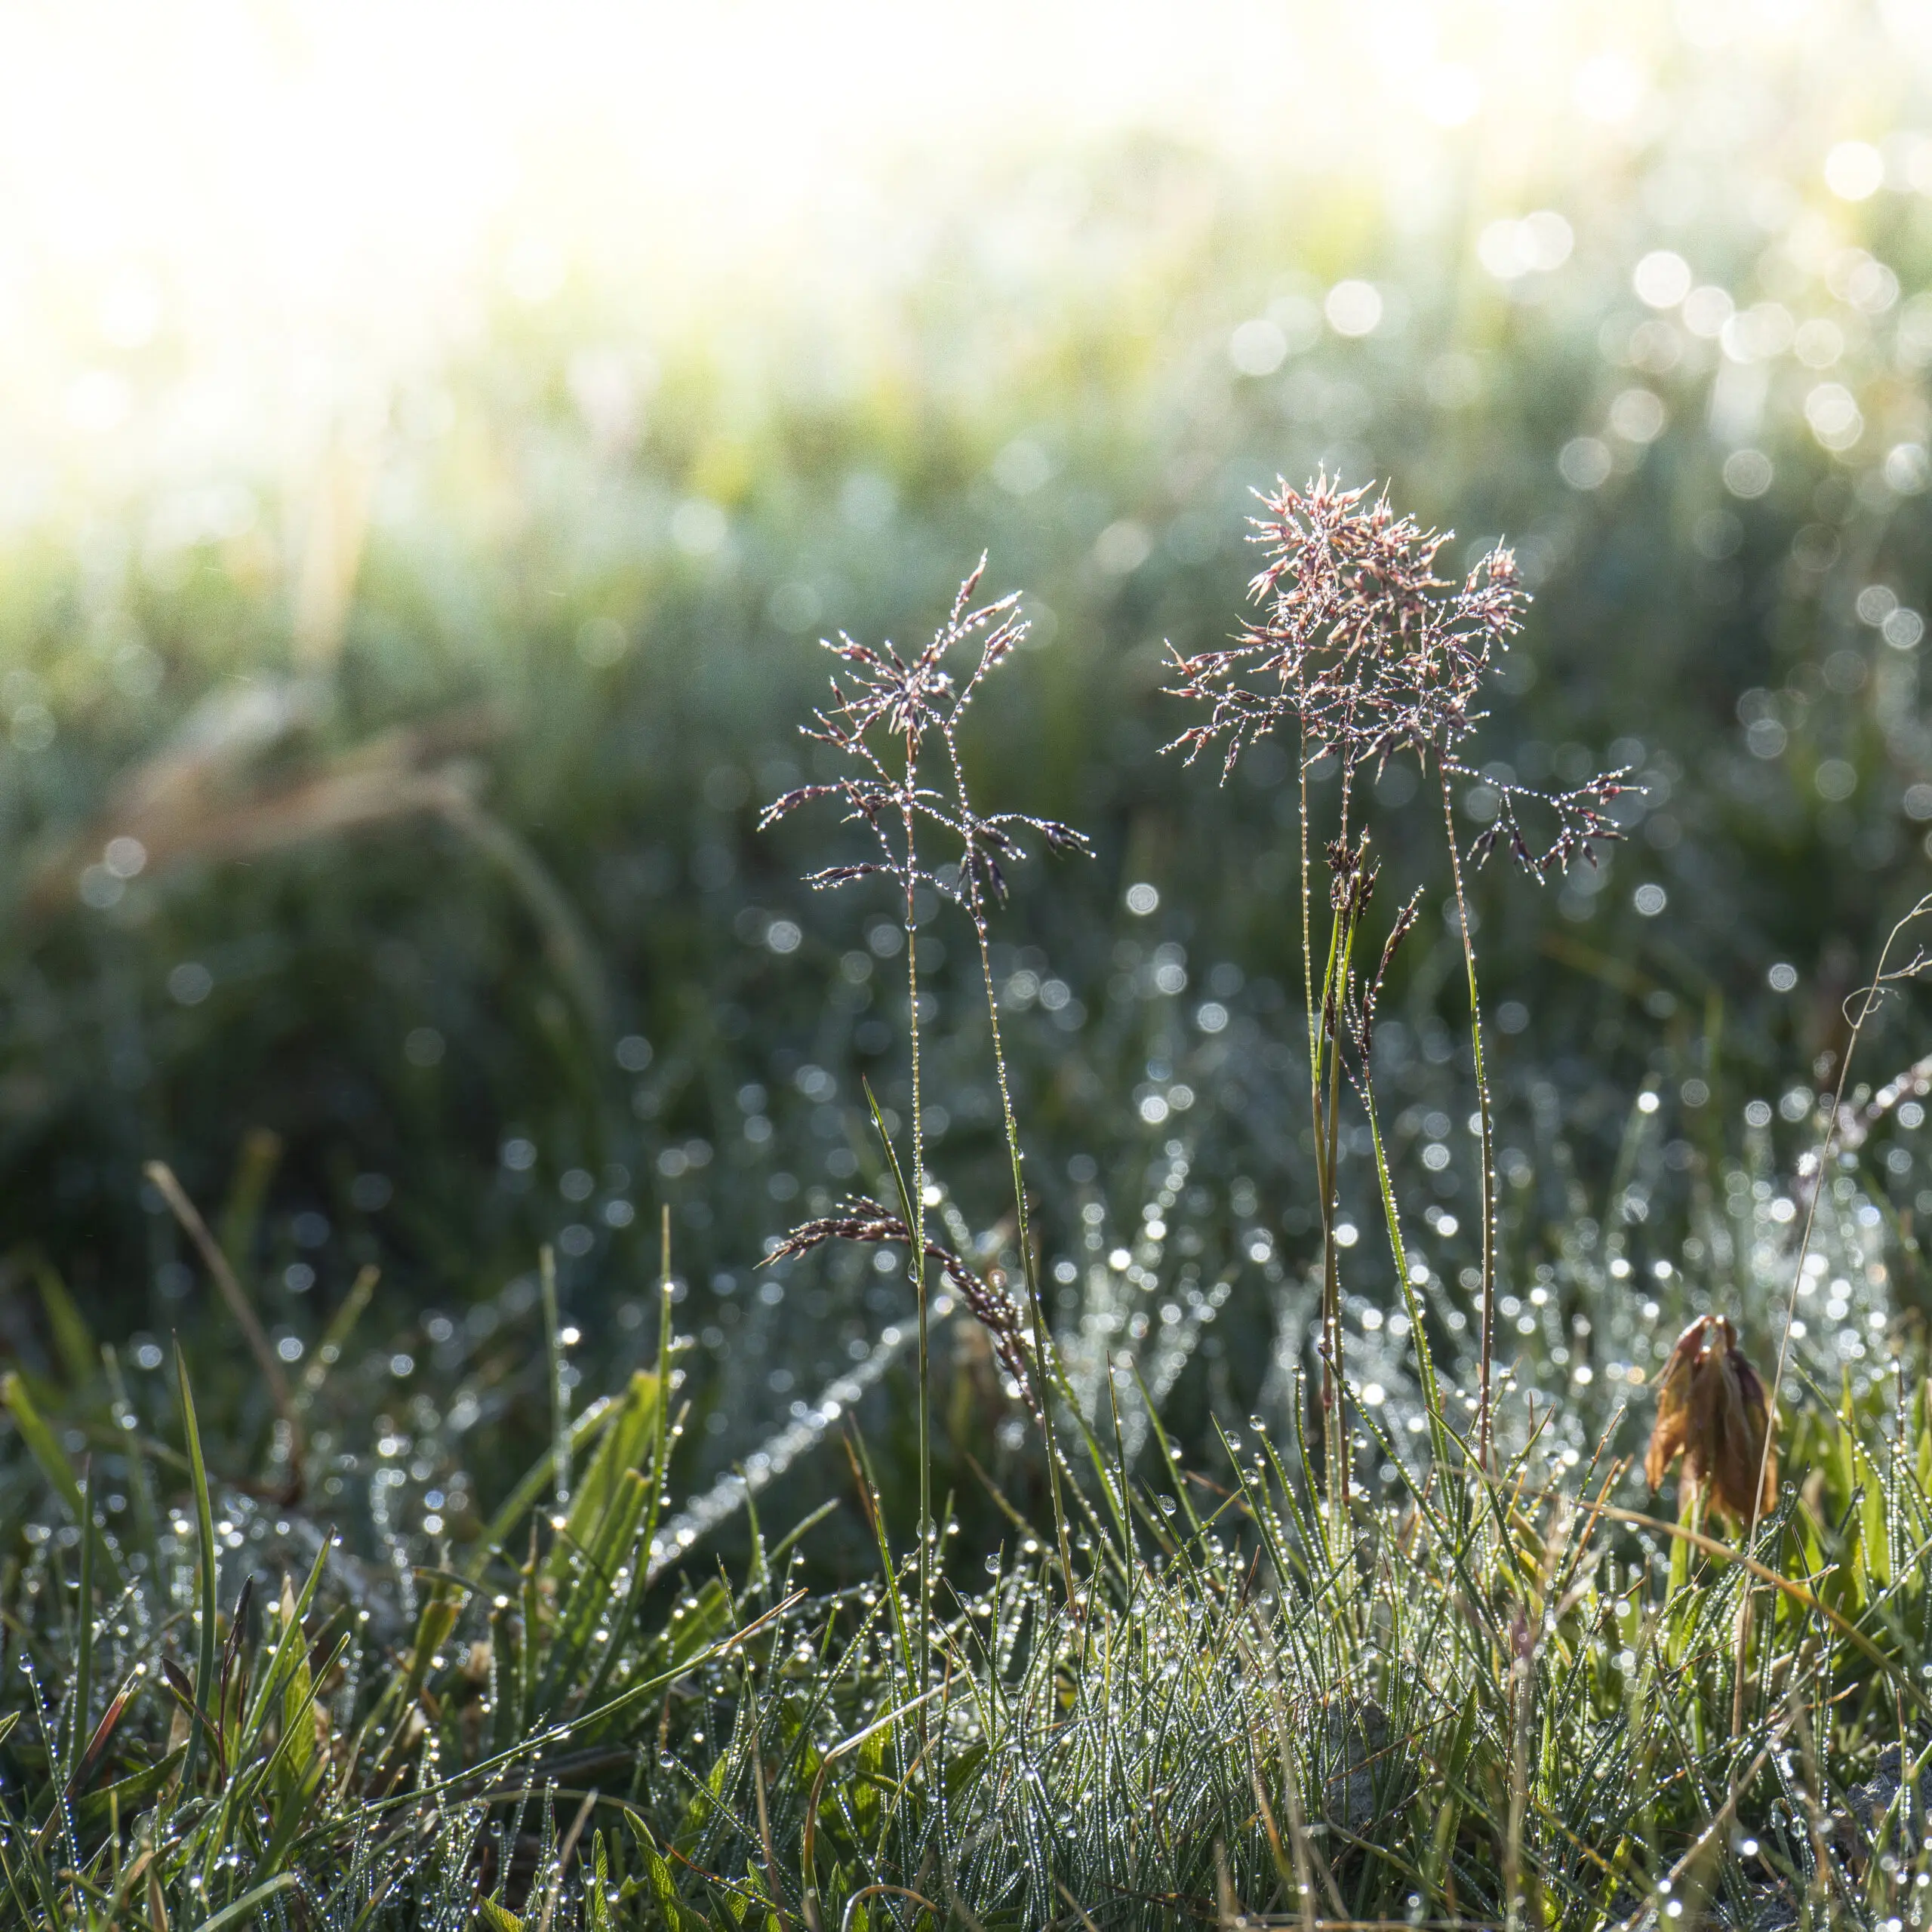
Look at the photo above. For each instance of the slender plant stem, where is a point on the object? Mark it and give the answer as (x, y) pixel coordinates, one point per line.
(1324, 1189)
(1050, 1370)
(660, 1477)
(1432, 1395)
(1308, 945)
(1312, 1012)
(1335, 1417)
(1487, 1312)
(1873, 992)
(918, 1255)
(1323, 1015)
(83, 1678)
(1029, 1269)
(1331, 1311)
(560, 1394)
(1522, 1696)
(1324, 1070)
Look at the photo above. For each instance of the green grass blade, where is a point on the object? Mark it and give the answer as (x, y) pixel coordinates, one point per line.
(73, 1341)
(233, 1914)
(518, 1503)
(560, 1394)
(862, 1467)
(41, 1444)
(81, 1695)
(204, 1665)
(140, 1484)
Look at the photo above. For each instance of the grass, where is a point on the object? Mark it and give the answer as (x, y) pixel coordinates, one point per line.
(1411, 1644)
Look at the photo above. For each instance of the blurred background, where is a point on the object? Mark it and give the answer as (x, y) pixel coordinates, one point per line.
(432, 441)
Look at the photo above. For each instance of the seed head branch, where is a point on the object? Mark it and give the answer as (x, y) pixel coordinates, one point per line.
(1367, 653)
(865, 1220)
(880, 698)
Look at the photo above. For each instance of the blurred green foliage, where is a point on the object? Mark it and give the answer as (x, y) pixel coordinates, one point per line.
(447, 872)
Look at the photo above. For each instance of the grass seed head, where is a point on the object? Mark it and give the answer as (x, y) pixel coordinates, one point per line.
(866, 1221)
(1366, 654)
(886, 710)
(1360, 644)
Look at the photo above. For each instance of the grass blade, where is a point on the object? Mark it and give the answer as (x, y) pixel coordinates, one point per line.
(205, 1666)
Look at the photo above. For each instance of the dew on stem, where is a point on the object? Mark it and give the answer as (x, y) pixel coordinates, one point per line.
(1365, 653)
(886, 710)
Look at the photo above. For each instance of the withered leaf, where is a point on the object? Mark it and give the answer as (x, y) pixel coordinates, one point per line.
(1713, 1410)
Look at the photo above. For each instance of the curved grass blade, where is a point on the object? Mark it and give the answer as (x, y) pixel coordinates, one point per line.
(205, 1667)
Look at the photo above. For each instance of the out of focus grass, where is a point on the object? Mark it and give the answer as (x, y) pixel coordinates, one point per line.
(597, 551)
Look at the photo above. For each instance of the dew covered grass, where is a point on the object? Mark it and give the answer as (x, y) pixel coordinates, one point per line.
(455, 1625)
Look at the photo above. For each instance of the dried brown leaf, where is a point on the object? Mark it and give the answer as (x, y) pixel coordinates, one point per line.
(1713, 1410)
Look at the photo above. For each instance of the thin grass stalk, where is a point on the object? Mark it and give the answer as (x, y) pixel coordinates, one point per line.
(560, 1396)
(1349, 902)
(1309, 1011)
(1287, 1885)
(1044, 1352)
(1320, 1044)
(1487, 1315)
(198, 1722)
(1522, 1701)
(1432, 1394)
(163, 1178)
(759, 1794)
(1335, 1417)
(1169, 1459)
(1741, 1660)
(141, 1483)
(660, 1453)
(80, 1693)
(908, 1652)
(1312, 1012)
(917, 1220)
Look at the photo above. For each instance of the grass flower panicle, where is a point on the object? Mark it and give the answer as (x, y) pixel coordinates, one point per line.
(1360, 1001)
(1367, 653)
(1358, 646)
(887, 711)
(881, 699)
(865, 1221)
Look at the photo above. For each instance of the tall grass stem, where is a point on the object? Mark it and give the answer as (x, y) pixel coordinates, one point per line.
(1486, 1311)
